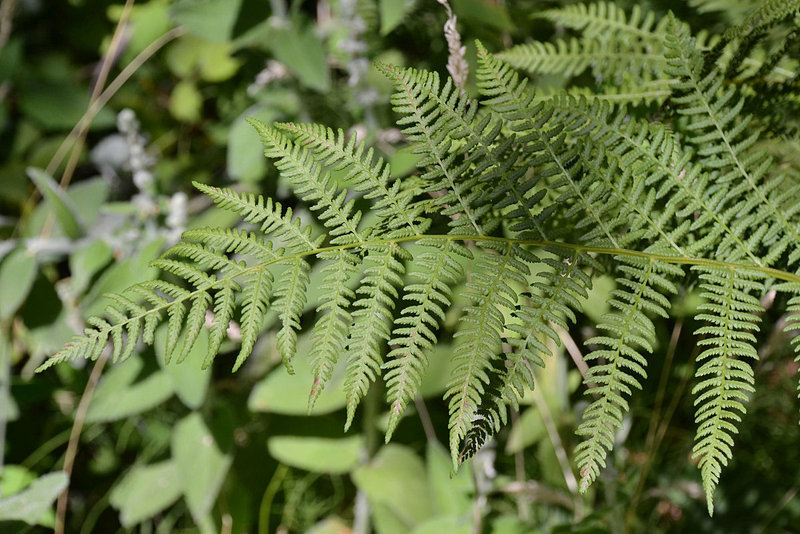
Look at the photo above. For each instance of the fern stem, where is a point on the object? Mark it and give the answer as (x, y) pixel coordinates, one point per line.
(606, 251)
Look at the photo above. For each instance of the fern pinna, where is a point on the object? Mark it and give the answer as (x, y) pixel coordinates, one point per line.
(521, 199)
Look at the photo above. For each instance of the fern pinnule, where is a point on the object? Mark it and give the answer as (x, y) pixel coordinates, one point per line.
(606, 21)
(312, 185)
(290, 299)
(224, 304)
(270, 215)
(480, 335)
(726, 379)
(627, 333)
(329, 334)
(554, 296)
(424, 123)
(414, 333)
(368, 176)
(257, 291)
(372, 319)
(726, 147)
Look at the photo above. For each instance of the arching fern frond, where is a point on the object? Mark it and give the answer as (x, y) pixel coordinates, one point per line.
(524, 198)
(627, 333)
(725, 376)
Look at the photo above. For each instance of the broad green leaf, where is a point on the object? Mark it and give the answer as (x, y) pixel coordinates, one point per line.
(59, 103)
(449, 524)
(9, 411)
(452, 493)
(121, 276)
(119, 395)
(200, 463)
(86, 261)
(302, 52)
(148, 20)
(185, 102)
(189, 380)
(396, 478)
(210, 19)
(145, 491)
(17, 272)
(331, 525)
(33, 503)
(14, 479)
(483, 13)
(387, 521)
(63, 207)
(528, 430)
(245, 160)
(89, 197)
(319, 455)
(282, 393)
(440, 368)
(211, 61)
(393, 12)
(404, 161)
(597, 304)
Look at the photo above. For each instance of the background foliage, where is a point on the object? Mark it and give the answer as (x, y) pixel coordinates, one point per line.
(168, 448)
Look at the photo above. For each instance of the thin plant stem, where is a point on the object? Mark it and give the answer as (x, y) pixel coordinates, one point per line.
(5, 393)
(265, 508)
(95, 107)
(105, 68)
(561, 453)
(7, 8)
(425, 419)
(523, 506)
(75, 436)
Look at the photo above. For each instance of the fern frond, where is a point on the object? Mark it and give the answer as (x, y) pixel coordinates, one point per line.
(290, 299)
(373, 179)
(725, 147)
(372, 316)
(764, 15)
(272, 217)
(424, 123)
(257, 291)
(480, 334)
(605, 21)
(627, 333)
(329, 335)
(725, 376)
(414, 334)
(224, 304)
(555, 295)
(510, 100)
(572, 57)
(312, 185)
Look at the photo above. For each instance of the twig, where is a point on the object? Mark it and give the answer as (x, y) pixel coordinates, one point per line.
(105, 67)
(572, 349)
(425, 419)
(95, 107)
(5, 394)
(75, 436)
(265, 508)
(561, 453)
(523, 509)
(7, 8)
